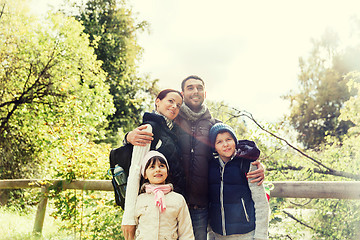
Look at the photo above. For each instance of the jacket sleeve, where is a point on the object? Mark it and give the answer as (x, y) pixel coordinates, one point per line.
(133, 183)
(262, 209)
(185, 229)
(247, 149)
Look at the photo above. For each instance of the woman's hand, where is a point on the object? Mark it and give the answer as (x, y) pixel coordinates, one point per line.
(258, 174)
(128, 231)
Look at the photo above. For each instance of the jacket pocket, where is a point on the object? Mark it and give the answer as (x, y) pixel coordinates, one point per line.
(245, 211)
(141, 211)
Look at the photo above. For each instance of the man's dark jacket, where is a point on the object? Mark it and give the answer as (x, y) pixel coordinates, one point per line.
(193, 137)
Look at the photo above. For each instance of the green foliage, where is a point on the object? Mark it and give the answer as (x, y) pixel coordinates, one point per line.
(322, 91)
(303, 218)
(52, 91)
(228, 115)
(314, 219)
(88, 215)
(334, 160)
(17, 224)
(322, 218)
(105, 221)
(112, 29)
(351, 109)
(341, 215)
(53, 108)
(55, 101)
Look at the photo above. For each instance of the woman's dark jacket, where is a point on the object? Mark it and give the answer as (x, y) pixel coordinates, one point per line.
(231, 208)
(169, 147)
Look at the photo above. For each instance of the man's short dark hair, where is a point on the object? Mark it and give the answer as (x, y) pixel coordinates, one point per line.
(188, 78)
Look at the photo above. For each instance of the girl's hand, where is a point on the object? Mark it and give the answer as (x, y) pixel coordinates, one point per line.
(128, 231)
(258, 174)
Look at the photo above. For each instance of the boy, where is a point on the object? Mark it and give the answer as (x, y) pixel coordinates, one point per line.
(238, 209)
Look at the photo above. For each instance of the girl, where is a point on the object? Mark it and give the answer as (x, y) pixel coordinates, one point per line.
(160, 213)
(160, 123)
(238, 209)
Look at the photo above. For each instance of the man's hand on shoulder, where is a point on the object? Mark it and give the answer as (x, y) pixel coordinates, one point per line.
(258, 174)
(138, 137)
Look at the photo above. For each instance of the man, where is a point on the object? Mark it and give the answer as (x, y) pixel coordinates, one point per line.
(195, 122)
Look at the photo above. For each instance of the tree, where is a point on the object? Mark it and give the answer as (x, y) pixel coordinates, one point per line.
(225, 113)
(51, 87)
(112, 30)
(333, 160)
(351, 109)
(316, 107)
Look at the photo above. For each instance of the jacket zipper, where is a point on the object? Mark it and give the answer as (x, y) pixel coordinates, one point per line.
(222, 200)
(192, 145)
(246, 214)
(191, 155)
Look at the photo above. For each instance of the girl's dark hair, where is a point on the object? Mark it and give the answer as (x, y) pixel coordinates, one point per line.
(151, 162)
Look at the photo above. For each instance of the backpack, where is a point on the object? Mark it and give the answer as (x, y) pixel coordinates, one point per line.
(121, 157)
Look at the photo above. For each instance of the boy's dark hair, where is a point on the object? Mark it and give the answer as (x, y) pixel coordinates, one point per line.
(188, 78)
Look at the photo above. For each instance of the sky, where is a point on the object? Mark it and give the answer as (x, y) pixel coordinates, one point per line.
(247, 52)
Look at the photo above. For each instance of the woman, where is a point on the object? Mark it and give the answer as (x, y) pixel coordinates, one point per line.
(160, 123)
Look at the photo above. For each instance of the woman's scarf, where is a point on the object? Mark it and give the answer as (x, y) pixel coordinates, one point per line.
(169, 122)
(159, 192)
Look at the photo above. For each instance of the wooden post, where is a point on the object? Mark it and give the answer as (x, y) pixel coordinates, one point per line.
(40, 213)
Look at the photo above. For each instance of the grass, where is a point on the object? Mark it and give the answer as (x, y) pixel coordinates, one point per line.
(16, 225)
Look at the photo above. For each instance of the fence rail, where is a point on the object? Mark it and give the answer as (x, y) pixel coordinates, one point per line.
(283, 189)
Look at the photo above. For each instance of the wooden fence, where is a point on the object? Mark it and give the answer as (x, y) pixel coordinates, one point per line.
(313, 189)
